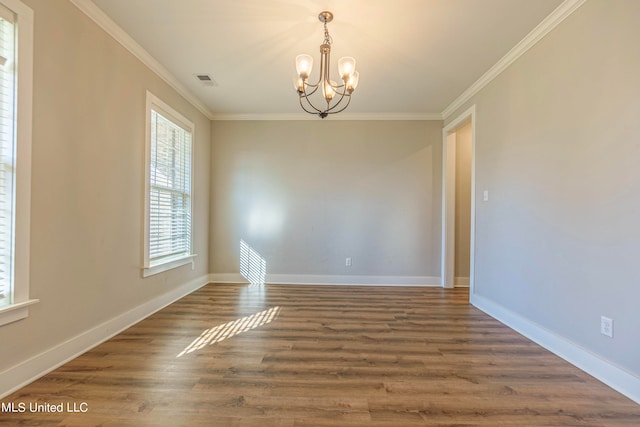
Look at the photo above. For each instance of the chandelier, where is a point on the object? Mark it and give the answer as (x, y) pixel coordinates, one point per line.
(334, 97)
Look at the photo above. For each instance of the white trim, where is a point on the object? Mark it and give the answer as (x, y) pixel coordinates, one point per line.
(14, 312)
(328, 279)
(343, 116)
(156, 104)
(6, 13)
(448, 208)
(542, 29)
(31, 369)
(602, 369)
(169, 265)
(114, 30)
(331, 279)
(24, 118)
(227, 278)
(160, 106)
(448, 192)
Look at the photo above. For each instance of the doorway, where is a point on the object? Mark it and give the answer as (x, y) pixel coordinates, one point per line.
(458, 201)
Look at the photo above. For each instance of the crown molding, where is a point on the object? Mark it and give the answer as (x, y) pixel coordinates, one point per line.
(344, 116)
(542, 29)
(114, 30)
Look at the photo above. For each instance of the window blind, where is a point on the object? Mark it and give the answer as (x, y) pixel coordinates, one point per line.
(169, 190)
(7, 153)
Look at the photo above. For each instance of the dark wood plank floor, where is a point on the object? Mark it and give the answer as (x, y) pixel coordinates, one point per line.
(242, 355)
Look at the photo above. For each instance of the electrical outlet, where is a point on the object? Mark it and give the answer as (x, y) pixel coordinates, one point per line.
(606, 326)
(347, 262)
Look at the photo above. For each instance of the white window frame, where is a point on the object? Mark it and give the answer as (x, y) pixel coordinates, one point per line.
(20, 301)
(150, 268)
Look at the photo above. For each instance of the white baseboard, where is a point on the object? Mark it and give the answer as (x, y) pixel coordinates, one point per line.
(461, 282)
(30, 370)
(322, 279)
(605, 371)
(329, 279)
(227, 278)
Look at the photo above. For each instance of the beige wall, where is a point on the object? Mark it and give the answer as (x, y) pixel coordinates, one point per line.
(87, 183)
(307, 194)
(557, 147)
(463, 201)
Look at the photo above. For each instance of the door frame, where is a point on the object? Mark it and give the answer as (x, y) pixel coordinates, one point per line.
(448, 199)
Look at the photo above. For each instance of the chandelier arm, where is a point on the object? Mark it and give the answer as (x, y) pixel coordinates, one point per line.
(345, 92)
(327, 67)
(306, 97)
(313, 85)
(315, 88)
(310, 104)
(342, 95)
(342, 109)
(329, 109)
(307, 111)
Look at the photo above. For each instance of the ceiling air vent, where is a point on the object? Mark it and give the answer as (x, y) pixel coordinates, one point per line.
(206, 80)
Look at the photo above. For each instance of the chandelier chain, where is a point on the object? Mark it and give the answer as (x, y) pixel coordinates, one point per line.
(327, 37)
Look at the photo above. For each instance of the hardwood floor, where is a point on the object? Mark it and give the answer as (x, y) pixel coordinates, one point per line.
(242, 355)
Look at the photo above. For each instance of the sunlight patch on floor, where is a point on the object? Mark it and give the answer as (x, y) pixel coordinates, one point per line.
(231, 329)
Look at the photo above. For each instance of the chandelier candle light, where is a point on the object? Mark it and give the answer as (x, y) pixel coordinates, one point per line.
(333, 94)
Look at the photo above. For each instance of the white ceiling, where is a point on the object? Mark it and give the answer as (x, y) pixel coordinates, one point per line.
(414, 56)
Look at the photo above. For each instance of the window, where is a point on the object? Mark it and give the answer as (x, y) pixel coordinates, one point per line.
(16, 41)
(168, 225)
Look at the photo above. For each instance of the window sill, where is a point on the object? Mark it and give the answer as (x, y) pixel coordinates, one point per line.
(14, 312)
(168, 265)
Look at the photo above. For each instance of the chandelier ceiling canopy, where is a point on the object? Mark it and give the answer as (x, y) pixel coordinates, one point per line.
(331, 97)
